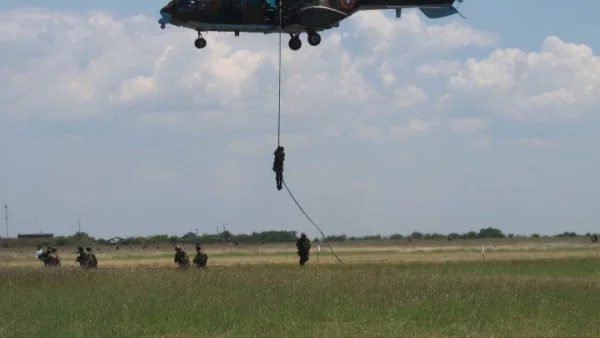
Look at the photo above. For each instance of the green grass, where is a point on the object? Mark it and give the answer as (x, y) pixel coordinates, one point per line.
(536, 298)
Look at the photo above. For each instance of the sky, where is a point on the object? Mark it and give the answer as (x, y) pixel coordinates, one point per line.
(389, 125)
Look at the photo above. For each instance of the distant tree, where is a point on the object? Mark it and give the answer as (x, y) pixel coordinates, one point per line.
(338, 238)
(471, 234)
(370, 238)
(490, 232)
(61, 241)
(158, 239)
(434, 235)
(416, 235)
(396, 236)
(81, 236)
(567, 234)
(226, 235)
(453, 236)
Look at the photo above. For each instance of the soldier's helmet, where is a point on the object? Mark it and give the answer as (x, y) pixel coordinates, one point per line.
(53, 249)
(88, 249)
(177, 248)
(303, 235)
(80, 248)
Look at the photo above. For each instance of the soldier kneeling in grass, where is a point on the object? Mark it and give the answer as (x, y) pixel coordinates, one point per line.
(49, 257)
(55, 260)
(83, 259)
(201, 258)
(93, 258)
(181, 258)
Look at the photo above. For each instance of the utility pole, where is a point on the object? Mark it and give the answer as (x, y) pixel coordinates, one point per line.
(79, 226)
(6, 219)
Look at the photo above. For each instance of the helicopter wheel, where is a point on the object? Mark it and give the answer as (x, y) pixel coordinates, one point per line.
(314, 39)
(295, 43)
(200, 43)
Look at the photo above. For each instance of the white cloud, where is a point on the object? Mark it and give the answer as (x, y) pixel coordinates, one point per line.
(443, 67)
(411, 34)
(481, 142)
(410, 96)
(136, 87)
(557, 83)
(397, 132)
(536, 142)
(468, 125)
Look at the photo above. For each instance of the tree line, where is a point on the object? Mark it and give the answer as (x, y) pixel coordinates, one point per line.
(282, 236)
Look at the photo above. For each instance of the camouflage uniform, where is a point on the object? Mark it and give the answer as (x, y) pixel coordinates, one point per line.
(55, 260)
(201, 258)
(45, 257)
(278, 166)
(92, 257)
(83, 259)
(181, 258)
(303, 246)
(49, 257)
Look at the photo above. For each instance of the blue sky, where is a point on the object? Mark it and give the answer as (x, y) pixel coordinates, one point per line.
(390, 126)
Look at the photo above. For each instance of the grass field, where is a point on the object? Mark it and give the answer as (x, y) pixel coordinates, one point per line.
(521, 289)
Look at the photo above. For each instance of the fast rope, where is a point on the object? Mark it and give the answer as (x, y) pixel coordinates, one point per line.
(279, 85)
(313, 223)
(279, 136)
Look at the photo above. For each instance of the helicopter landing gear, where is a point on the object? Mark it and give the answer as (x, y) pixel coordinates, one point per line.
(295, 42)
(314, 39)
(200, 41)
(162, 26)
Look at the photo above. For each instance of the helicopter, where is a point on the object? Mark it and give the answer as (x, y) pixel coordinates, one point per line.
(292, 17)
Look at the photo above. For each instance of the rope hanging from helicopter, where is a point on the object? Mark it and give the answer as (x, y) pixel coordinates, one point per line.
(280, 6)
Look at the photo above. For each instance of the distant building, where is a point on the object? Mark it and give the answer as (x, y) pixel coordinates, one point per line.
(116, 240)
(35, 236)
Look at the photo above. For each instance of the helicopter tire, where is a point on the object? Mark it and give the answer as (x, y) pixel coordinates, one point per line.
(200, 43)
(314, 39)
(295, 43)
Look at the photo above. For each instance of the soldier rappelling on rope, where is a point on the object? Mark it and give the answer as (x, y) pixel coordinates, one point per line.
(278, 166)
